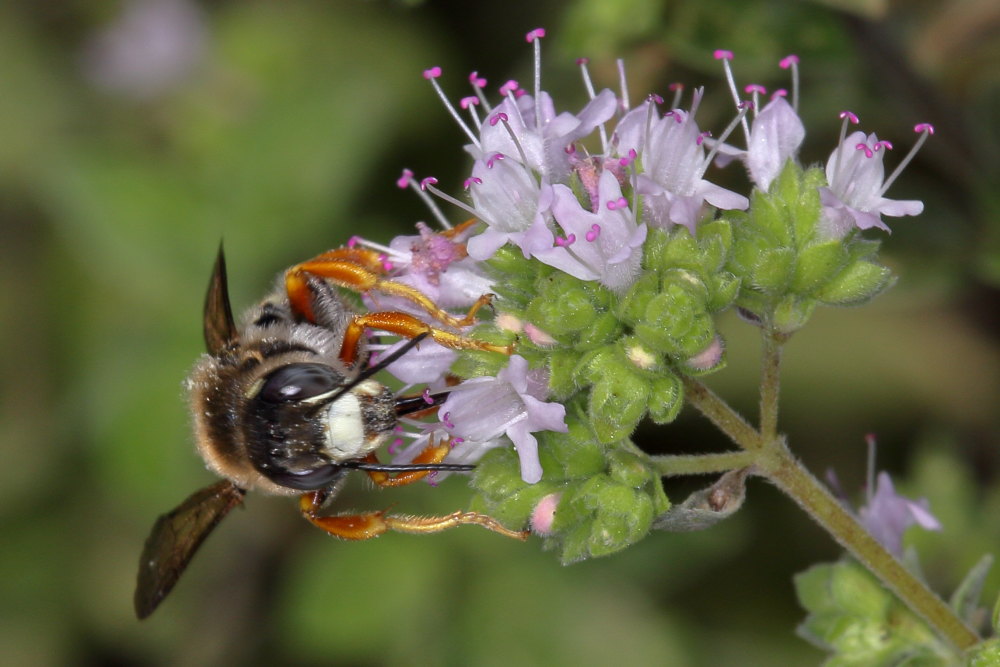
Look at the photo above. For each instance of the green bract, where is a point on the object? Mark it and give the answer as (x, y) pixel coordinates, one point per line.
(788, 266)
(862, 623)
(609, 495)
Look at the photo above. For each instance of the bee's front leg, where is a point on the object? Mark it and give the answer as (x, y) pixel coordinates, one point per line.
(372, 524)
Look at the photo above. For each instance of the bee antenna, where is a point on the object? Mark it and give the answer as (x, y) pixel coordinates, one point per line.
(407, 467)
(407, 405)
(381, 365)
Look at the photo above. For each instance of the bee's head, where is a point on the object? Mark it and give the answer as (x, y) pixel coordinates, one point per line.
(305, 419)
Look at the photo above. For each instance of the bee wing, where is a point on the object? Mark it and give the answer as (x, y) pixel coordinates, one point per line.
(220, 328)
(174, 540)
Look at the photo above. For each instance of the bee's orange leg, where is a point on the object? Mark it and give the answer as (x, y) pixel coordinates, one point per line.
(373, 524)
(407, 326)
(351, 268)
(433, 453)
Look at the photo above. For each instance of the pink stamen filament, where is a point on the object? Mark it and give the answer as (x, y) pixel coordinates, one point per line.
(478, 84)
(594, 233)
(407, 180)
(792, 62)
(756, 90)
(678, 90)
(565, 242)
(725, 57)
(845, 117)
(455, 202)
(535, 38)
(589, 85)
(508, 88)
(469, 103)
(432, 75)
(925, 130)
(623, 82)
(513, 137)
(744, 108)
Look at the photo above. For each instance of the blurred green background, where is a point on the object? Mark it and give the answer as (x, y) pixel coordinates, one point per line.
(134, 135)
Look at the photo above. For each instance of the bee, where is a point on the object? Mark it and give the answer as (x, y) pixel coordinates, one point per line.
(286, 405)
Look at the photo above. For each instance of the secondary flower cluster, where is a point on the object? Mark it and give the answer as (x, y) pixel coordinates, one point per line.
(599, 232)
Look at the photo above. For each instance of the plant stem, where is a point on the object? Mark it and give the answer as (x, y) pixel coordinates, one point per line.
(773, 460)
(770, 383)
(702, 464)
(719, 413)
(778, 465)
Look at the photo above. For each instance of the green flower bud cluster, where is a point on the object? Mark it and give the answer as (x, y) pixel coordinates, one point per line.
(788, 265)
(608, 496)
(612, 360)
(861, 622)
(623, 352)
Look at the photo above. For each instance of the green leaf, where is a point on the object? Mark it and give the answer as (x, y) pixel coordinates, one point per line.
(816, 264)
(666, 398)
(723, 288)
(773, 270)
(791, 313)
(858, 283)
(965, 600)
(617, 403)
(715, 238)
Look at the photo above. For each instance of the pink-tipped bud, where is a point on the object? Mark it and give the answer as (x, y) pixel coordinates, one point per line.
(544, 514)
(537, 336)
(708, 358)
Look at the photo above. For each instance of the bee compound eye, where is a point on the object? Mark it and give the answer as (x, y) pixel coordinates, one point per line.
(307, 480)
(299, 382)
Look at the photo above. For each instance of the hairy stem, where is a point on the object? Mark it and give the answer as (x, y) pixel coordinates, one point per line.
(771, 459)
(719, 413)
(778, 465)
(770, 384)
(702, 464)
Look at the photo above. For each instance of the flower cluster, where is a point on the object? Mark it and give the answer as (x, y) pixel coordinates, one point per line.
(610, 251)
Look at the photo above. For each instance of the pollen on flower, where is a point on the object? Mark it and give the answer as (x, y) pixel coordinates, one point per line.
(788, 61)
(537, 33)
(850, 116)
(405, 179)
(508, 87)
(641, 357)
(509, 322)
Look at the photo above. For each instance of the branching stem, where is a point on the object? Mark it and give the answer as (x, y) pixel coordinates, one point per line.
(702, 464)
(767, 452)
